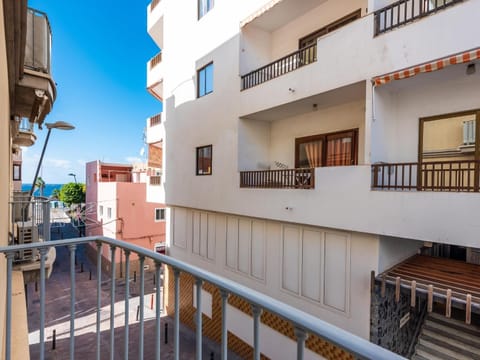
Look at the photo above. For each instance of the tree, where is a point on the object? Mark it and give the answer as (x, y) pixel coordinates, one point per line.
(40, 184)
(72, 193)
(56, 194)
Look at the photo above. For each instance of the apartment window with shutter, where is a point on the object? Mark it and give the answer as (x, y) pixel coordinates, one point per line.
(100, 210)
(204, 160)
(205, 80)
(109, 213)
(17, 172)
(159, 214)
(204, 6)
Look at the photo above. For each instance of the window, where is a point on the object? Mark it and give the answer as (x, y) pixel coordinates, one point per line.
(17, 172)
(205, 80)
(100, 210)
(312, 38)
(334, 149)
(109, 213)
(204, 6)
(204, 160)
(159, 214)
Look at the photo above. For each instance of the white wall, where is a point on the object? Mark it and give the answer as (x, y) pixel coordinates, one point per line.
(253, 144)
(324, 272)
(394, 250)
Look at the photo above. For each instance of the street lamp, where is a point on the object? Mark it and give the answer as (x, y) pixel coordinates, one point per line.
(74, 177)
(61, 125)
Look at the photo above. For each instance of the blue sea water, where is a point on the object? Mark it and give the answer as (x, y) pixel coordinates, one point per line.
(47, 191)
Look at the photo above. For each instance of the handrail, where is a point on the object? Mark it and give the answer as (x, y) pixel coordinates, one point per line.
(354, 344)
(282, 66)
(405, 11)
(453, 175)
(302, 178)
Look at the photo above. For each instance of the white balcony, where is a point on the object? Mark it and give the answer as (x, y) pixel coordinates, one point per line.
(155, 76)
(155, 12)
(155, 129)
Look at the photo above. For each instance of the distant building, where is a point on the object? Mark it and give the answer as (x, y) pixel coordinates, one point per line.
(116, 207)
(307, 144)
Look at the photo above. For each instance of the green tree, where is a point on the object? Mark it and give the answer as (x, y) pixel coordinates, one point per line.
(56, 194)
(40, 184)
(72, 193)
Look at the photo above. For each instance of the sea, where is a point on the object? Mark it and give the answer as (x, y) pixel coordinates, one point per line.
(47, 191)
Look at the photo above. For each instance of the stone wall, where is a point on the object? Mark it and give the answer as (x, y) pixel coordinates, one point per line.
(386, 326)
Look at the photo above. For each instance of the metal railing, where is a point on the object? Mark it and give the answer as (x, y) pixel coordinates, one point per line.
(406, 11)
(304, 323)
(455, 175)
(30, 223)
(156, 180)
(282, 66)
(25, 125)
(303, 178)
(38, 42)
(154, 61)
(155, 120)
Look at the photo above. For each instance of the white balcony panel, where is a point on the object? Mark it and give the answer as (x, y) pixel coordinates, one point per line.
(155, 80)
(155, 133)
(156, 194)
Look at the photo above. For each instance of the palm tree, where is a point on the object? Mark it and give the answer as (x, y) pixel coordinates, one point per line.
(40, 184)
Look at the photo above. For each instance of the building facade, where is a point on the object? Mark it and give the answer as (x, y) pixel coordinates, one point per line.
(310, 143)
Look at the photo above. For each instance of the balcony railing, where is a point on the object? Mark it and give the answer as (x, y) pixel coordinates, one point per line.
(406, 11)
(303, 323)
(153, 4)
(280, 67)
(456, 175)
(154, 61)
(30, 223)
(279, 179)
(155, 180)
(156, 120)
(39, 42)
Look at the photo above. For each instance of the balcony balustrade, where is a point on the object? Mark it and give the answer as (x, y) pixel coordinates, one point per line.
(303, 323)
(155, 120)
(154, 61)
(286, 64)
(455, 175)
(156, 180)
(303, 178)
(405, 11)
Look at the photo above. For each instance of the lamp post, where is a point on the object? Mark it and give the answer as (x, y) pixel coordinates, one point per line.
(61, 125)
(74, 177)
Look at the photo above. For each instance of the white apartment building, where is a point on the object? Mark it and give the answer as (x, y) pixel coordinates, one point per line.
(309, 143)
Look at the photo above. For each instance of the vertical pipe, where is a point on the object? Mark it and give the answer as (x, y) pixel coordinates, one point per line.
(112, 303)
(99, 292)
(127, 301)
(257, 311)
(8, 335)
(224, 296)
(301, 336)
(72, 300)
(142, 307)
(157, 310)
(198, 335)
(43, 252)
(176, 330)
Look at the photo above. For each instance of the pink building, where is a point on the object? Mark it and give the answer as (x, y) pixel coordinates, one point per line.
(116, 207)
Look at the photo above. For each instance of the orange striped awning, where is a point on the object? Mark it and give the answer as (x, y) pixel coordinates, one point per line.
(430, 66)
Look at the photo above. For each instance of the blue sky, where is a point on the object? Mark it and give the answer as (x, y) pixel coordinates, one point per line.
(99, 55)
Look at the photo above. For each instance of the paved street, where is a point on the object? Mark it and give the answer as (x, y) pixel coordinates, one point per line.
(57, 316)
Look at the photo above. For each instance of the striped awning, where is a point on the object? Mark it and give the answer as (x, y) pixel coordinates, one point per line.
(460, 58)
(259, 12)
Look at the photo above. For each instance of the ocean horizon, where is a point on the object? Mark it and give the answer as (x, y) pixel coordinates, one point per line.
(47, 191)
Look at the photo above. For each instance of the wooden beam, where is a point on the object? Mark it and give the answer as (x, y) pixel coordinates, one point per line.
(413, 293)
(430, 298)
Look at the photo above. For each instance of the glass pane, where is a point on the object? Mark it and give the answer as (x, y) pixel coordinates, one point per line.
(201, 82)
(339, 151)
(209, 79)
(310, 154)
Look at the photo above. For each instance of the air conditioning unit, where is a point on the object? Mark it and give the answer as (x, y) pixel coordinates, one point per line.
(26, 233)
(469, 132)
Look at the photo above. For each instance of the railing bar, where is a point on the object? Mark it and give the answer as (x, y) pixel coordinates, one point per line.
(198, 325)
(127, 304)
(8, 315)
(301, 336)
(112, 303)
(158, 267)
(224, 295)
(99, 299)
(176, 331)
(142, 307)
(43, 253)
(257, 311)
(72, 301)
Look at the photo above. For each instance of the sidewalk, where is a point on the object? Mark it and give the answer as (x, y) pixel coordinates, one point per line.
(57, 314)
